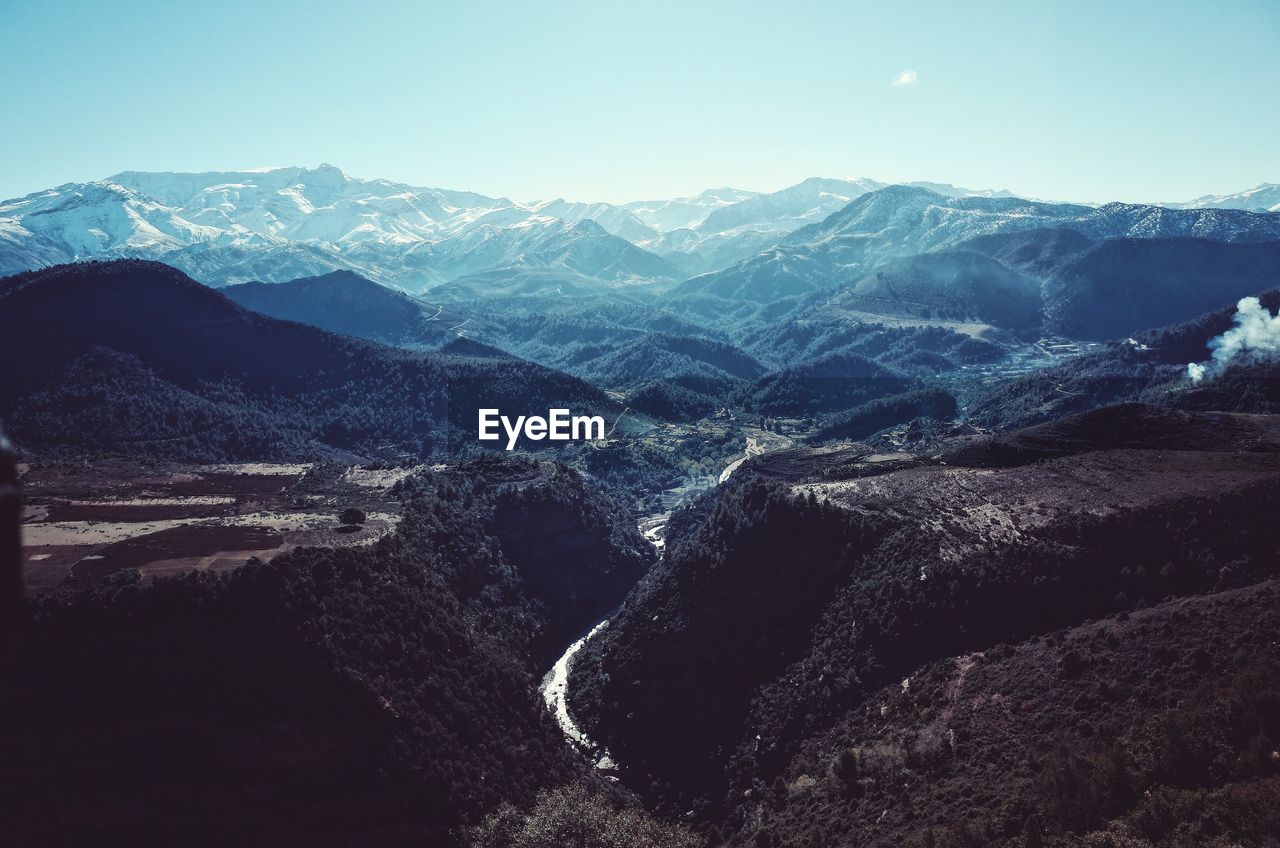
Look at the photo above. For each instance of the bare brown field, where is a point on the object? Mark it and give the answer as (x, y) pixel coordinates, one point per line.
(132, 511)
(188, 542)
(267, 486)
(84, 522)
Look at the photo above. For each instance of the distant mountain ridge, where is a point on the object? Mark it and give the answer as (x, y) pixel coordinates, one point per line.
(733, 231)
(858, 254)
(273, 225)
(277, 224)
(1265, 197)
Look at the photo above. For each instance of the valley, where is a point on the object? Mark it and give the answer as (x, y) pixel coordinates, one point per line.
(555, 684)
(616, 425)
(906, 527)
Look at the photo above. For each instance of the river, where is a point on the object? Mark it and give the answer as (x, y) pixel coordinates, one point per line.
(653, 527)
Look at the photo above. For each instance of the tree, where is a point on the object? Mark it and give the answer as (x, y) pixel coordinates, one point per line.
(351, 515)
(575, 815)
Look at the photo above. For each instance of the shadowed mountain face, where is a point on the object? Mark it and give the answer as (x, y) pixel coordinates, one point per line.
(135, 357)
(831, 382)
(1150, 367)
(737, 659)
(1079, 271)
(662, 355)
(953, 286)
(1118, 287)
(345, 302)
(617, 347)
(1114, 288)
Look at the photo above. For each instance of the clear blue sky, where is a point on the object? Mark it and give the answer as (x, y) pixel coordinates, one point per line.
(618, 101)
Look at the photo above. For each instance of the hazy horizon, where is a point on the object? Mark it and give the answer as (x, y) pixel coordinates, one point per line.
(527, 200)
(684, 195)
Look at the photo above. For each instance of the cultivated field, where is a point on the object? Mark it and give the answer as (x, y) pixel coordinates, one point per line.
(83, 522)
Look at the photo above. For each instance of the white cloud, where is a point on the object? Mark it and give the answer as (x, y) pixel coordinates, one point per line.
(907, 77)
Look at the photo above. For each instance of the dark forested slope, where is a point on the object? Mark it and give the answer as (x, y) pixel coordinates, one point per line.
(828, 383)
(1143, 729)
(345, 302)
(378, 695)
(743, 646)
(134, 357)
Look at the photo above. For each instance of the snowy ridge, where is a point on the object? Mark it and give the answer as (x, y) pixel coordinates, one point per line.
(277, 224)
(901, 221)
(1263, 198)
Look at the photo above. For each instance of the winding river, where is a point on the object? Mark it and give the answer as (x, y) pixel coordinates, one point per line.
(653, 527)
(554, 687)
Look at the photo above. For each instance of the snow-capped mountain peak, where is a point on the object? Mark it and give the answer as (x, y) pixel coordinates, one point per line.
(280, 223)
(1263, 198)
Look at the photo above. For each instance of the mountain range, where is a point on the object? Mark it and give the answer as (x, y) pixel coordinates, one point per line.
(1264, 198)
(1034, 604)
(283, 223)
(1054, 252)
(275, 224)
(924, 252)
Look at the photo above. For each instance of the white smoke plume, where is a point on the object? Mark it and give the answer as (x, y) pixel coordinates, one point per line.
(1256, 331)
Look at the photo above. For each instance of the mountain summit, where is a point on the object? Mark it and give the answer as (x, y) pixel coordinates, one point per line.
(281, 223)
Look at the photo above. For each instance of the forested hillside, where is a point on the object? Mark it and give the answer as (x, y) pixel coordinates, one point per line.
(345, 302)
(905, 564)
(685, 425)
(383, 694)
(135, 358)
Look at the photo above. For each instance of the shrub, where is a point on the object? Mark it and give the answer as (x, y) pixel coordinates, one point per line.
(577, 815)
